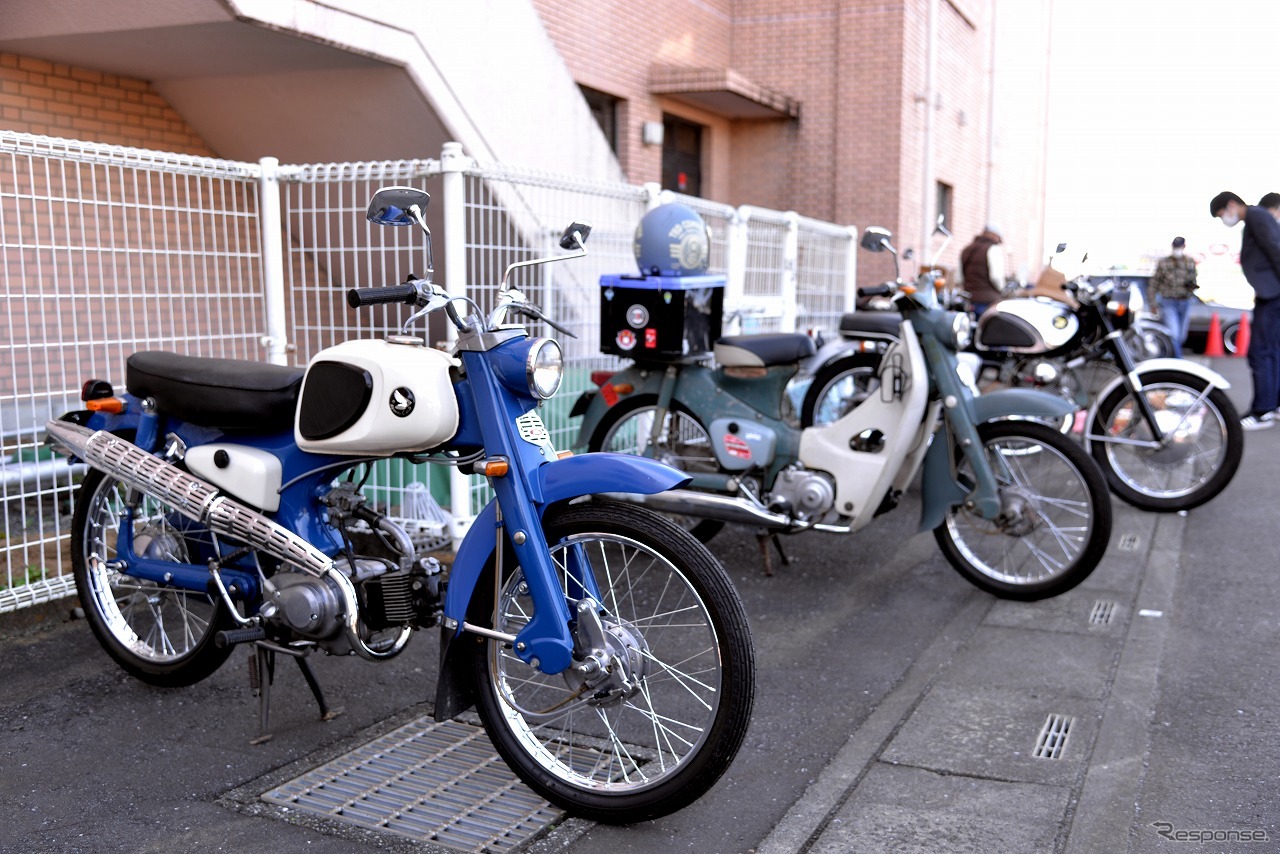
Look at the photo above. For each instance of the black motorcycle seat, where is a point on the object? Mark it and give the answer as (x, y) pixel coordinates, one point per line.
(761, 351)
(228, 394)
(859, 324)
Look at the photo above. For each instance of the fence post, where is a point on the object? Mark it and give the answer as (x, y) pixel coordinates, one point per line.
(790, 272)
(272, 240)
(652, 195)
(851, 271)
(738, 240)
(453, 163)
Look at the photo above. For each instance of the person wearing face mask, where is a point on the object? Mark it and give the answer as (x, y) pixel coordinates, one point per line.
(1260, 262)
(1171, 286)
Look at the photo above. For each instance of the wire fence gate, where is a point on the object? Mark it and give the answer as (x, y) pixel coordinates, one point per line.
(106, 250)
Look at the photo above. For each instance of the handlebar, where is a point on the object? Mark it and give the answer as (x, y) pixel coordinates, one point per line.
(406, 293)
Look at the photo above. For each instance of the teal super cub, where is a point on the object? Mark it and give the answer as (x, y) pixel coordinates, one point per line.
(1019, 509)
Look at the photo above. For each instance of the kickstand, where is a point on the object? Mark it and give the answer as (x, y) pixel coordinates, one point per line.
(262, 672)
(326, 713)
(763, 537)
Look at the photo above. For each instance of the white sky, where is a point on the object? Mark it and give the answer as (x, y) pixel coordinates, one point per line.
(1156, 107)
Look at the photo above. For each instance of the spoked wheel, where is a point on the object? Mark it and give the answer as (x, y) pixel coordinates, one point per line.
(161, 635)
(1204, 442)
(1055, 515)
(682, 443)
(838, 388)
(661, 708)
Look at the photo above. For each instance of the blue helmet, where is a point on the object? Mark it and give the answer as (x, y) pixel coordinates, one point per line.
(672, 240)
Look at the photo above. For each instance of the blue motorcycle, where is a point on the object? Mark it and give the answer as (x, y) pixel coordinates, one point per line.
(604, 648)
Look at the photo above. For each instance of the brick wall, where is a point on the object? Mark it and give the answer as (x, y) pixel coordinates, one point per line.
(80, 103)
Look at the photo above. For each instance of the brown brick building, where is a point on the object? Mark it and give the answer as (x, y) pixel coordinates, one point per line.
(823, 106)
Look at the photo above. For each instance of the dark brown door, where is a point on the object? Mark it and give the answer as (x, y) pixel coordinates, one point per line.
(681, 156)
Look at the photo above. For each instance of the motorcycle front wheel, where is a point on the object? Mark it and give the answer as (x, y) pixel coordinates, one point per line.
(161, 635)
(636, 748)
(1200, 457)
(1055, 515)
(682, 443)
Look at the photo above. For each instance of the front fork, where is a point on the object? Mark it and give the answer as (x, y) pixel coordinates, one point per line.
(1133, 383)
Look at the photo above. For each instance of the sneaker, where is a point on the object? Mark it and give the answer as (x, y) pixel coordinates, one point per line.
(1258, 422)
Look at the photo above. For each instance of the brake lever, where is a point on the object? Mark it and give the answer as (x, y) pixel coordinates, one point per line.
(536, 313)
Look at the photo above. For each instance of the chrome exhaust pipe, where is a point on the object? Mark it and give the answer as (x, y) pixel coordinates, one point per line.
(198, 500)
(706, 505)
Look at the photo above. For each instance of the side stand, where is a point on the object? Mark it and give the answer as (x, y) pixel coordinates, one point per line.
(262, 673)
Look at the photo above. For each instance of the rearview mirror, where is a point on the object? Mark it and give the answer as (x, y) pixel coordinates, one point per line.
(396, 206)
(876, 239)
(575, 235)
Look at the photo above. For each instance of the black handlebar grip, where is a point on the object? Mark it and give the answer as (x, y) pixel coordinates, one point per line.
(405, 293)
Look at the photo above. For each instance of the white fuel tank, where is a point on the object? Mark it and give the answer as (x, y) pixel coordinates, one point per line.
(376, 398)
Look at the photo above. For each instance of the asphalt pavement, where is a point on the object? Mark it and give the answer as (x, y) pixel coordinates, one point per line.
(899, 709)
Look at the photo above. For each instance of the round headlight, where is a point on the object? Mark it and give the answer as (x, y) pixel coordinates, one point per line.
(962, 330)
(545, 368)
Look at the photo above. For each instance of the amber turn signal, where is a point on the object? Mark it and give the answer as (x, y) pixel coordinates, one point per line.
(114, 405)
(494, 468)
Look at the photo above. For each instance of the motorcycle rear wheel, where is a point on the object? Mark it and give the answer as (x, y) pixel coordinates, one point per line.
(1058, 515)
(670, 607)
(682, 443)
(161, 635)
(1202, 458)
(838, 388)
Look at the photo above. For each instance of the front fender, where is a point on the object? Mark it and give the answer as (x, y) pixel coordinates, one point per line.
(1151, 366)
(559, 480)
(1022, 402)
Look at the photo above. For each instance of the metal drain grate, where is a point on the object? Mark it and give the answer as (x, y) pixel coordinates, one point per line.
(1128, 543)
(1052, 741)
(437, 782)
(1104, 610)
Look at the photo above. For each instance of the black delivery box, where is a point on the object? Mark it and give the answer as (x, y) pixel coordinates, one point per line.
(660, 318)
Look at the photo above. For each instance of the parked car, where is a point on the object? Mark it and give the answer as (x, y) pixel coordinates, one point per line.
(1198, 318)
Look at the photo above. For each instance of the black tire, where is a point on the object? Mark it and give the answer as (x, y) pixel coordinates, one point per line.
(1198, 464)
(838, 387)
(161, 635)
(691, 452)
(695, 675)
(1061, 523)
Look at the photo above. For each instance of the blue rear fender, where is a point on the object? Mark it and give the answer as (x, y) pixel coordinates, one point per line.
(558, 480)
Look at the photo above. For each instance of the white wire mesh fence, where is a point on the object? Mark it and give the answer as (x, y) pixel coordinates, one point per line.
(108, 250)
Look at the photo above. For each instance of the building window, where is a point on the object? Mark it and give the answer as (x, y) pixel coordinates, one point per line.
(681, 156)
(605, 108)
(942, 204)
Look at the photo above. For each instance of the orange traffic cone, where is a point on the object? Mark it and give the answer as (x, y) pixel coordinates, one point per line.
(1242, 337)
(1213, 341)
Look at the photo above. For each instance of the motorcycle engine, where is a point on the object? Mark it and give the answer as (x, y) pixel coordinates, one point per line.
(389, 598)
(806, 495)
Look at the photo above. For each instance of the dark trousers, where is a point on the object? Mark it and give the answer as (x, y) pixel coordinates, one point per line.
(1264, 355)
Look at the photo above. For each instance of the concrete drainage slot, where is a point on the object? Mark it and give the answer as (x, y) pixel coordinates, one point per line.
(437, 782)
(1052, 741)
(1128, 543)
(1104, 610)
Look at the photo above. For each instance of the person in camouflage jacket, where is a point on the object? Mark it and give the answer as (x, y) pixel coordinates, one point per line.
(1171, 287)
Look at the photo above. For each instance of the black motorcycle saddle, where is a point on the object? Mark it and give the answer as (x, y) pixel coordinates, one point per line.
(229, 394)
(761, 351)
(857, 324)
